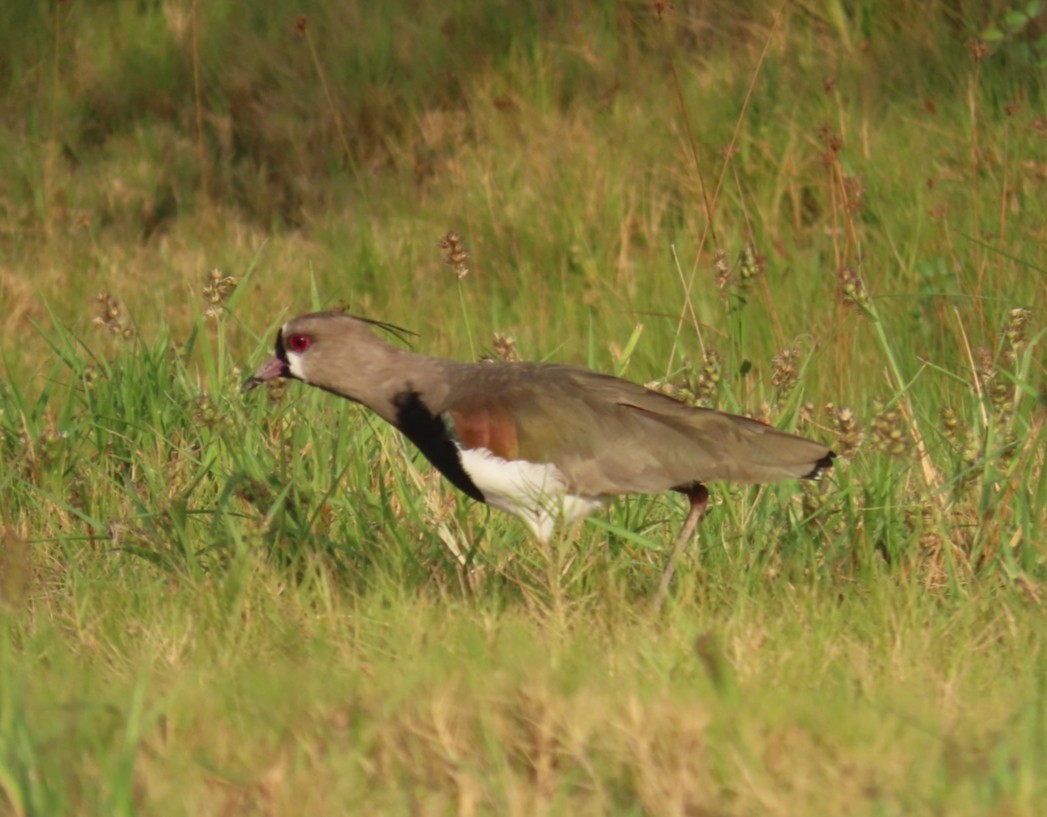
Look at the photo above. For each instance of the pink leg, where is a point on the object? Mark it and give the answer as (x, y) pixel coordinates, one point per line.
(699, 498)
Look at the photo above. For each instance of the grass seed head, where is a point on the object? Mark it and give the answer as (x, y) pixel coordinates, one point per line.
(950, 424)
(110, 316)
(207, 414)
(455, 254)
(851, 288)
(216, 292)
(784, 373)
(889, 431)
(849, 435)
(1015, 330)
(505, 347)
(723, 270)
(750, 264)
(998, 390)
(706, 383)
(696, 386)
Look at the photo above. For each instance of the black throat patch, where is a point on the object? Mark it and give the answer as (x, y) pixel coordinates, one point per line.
(280, 351)
(428, 432)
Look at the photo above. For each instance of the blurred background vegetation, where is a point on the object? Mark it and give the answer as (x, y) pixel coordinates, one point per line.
(144, 143)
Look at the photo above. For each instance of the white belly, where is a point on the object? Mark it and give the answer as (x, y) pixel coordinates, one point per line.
(534, 492)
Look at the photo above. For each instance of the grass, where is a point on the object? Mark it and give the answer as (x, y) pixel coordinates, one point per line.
(829, 217)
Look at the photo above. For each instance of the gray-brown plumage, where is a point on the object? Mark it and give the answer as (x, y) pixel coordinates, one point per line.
(542, 441)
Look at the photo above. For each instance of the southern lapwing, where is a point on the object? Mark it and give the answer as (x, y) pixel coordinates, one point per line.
(545, 442)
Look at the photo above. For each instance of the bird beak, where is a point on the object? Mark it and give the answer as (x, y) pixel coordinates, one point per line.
(270, 370)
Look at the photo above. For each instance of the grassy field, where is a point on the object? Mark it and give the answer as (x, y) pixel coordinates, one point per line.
(832, 216)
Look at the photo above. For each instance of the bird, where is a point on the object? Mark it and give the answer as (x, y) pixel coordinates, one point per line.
(546, 442)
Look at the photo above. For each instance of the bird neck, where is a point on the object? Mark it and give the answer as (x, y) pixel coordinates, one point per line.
(381, 377)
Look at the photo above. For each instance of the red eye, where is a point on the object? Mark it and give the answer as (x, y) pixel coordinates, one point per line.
(298, 343)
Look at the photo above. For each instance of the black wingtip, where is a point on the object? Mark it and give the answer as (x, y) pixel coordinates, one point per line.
(821, 466)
